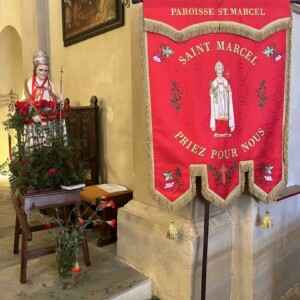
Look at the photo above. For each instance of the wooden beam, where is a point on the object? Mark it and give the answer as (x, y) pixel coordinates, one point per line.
(288, 192)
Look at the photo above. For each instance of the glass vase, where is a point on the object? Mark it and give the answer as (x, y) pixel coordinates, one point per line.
(65, 261)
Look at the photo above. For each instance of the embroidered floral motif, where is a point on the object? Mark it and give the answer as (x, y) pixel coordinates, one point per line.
(176, 96)
(172, 180)
(162, 53)
(272, 52)
(262, 94)
(266, 173)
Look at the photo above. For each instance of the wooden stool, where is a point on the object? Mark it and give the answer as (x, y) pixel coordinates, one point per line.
(43, 200)
(89, 194)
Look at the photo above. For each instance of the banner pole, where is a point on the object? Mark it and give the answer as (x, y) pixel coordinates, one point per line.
(205, 237)
(205, 247)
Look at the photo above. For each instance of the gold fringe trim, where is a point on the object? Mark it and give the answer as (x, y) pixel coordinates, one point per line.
(201, 170)
(216, 27)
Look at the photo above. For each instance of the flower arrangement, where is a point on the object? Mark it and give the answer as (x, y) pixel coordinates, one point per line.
(69, 235)
(52, 164)
(22, 112)
(44, 157)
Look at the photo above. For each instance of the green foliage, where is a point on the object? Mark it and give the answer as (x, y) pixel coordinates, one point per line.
(44, 158)
(68, 235)
(48, 165)
(16, 121)
(69, 232)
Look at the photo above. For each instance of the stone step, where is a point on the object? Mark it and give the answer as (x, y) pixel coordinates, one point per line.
(140, 291)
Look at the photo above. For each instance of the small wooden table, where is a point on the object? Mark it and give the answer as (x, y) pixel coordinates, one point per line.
(23, 205)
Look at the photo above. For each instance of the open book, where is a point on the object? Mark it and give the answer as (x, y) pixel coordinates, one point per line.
(111, 187)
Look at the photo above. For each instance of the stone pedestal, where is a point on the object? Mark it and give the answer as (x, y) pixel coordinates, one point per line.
(175, 266)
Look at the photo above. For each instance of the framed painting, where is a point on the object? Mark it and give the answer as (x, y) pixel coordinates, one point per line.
(83, 19)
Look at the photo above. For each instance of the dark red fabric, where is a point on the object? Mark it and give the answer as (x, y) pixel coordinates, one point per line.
(182, 85)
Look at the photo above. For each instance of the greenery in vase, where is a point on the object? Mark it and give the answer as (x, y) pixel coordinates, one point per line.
(69, 233)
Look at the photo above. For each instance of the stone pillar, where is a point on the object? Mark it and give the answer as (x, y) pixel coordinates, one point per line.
(34, 29)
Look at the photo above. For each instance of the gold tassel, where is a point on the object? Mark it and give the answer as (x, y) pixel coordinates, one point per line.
(172, 233)
(266, 220)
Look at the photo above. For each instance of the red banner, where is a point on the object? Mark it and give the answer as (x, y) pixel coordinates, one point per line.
(217, 80)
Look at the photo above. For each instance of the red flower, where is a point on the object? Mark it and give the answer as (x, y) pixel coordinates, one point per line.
(50, 104)
(38, 104)
(51, 172)
(24, 110)
(102, 204)
(77, 268)
(15, 164)
(111, 204)
(21, 104)
(18, 105)
(53, 112)
(47, 225)
(95, 223)
(81, 221)
(111, 223)
(25, 162)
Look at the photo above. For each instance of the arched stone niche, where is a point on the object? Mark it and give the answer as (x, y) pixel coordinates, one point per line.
(11, 74)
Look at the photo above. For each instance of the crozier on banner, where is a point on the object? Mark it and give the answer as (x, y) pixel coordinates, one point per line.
(217, 81)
